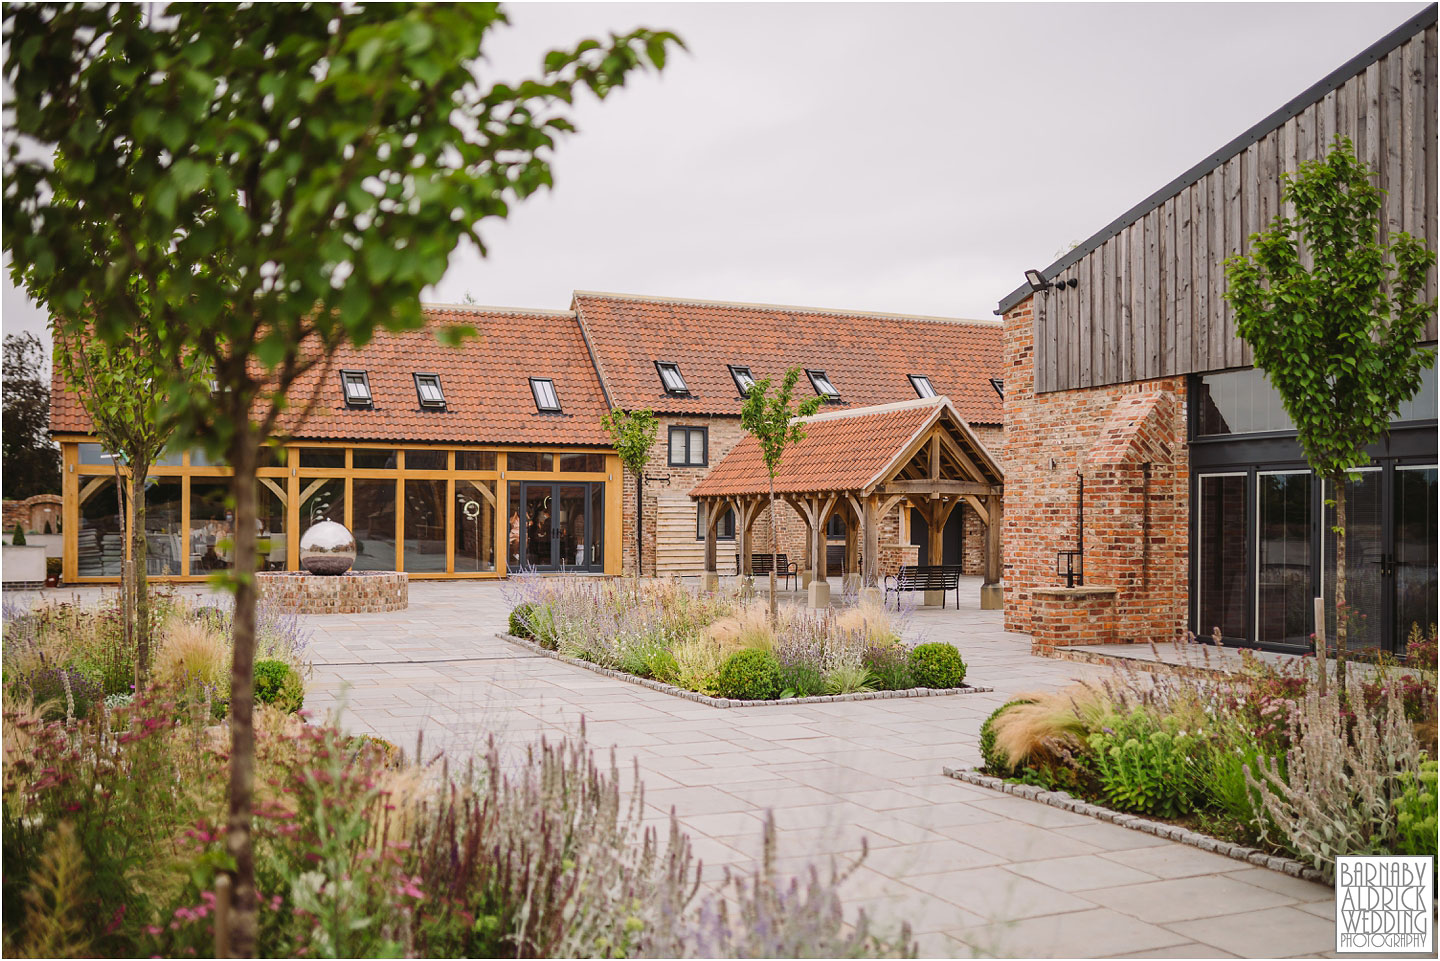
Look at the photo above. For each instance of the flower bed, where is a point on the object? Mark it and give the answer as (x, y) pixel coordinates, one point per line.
(114, 837)
(1269, 758)
(723, 647)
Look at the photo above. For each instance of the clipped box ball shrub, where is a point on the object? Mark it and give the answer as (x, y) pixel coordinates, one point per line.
(279, 684)
(937, 665)
(750, 675)
(996, 760)
(520, 620)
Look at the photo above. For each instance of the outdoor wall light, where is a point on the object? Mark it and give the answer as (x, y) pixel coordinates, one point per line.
(1037, 282)
(1070, 566)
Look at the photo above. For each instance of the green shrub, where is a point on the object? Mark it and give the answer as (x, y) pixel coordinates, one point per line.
(1415, 812)
(1144, 765)
(995, 760)
(801, 679)
(18, 538)
(278, 683)
(889, 666)
(749, 675)
(520, 620)
(54, 566)
(937, 665)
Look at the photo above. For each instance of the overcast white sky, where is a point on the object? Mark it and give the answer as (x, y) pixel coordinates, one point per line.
(910, 158)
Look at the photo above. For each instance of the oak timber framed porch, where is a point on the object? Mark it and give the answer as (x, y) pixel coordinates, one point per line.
(861, 464)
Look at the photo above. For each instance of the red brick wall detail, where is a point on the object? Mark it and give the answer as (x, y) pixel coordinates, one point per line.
(1108, 434)
(1072, 617)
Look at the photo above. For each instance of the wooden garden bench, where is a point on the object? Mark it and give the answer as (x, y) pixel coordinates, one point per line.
(926, 577)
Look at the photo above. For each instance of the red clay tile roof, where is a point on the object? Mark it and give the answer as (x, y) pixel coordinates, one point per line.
(486, 382)
(867, 356)
(841, 451)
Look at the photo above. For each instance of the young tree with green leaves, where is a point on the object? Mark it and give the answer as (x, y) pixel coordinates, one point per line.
(1335, 317)
(117, 383)
(281, 181)
(771, 421)
(633, 436)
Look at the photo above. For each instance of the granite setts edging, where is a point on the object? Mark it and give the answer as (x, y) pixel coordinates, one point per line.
(726, 702)
(1068, 802)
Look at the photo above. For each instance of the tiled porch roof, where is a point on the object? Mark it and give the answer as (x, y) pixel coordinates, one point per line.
(842, 451)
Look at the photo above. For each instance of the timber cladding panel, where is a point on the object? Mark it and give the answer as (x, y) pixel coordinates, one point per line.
(1149, 300)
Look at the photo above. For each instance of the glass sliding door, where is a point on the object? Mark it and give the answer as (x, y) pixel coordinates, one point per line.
(556, 527)
(1365, 567)
(474, 513)
(1284, 524)
(374, 526)
(1221, 556)
(1414, 555)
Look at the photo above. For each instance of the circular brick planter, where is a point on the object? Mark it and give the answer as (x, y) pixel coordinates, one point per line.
(356, 592)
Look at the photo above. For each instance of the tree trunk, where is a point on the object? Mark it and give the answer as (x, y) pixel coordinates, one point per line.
(1341, 614)
(774, 553)
(243, 458)
(140, 584)
(127, 577)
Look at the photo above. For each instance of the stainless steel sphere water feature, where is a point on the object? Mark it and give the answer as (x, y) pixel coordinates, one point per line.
(327, 548)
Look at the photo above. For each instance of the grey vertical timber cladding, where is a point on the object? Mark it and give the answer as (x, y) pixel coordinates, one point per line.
(1151, 296)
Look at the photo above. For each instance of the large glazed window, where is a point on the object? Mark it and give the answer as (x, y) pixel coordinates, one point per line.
(164, 540)
(474, 519)
(374, 526)
(101, 538)
(1284, 611)
(1416, 555)
(425, 526)
(1238, 402)
(1221, 555)
(1364, 560)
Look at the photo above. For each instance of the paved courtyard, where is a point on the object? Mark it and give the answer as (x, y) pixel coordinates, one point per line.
(977, 873)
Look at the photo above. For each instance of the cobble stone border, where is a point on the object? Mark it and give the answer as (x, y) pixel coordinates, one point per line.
(727, 702)
(1068, 802)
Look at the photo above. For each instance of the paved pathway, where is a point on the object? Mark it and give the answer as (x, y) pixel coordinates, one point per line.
(975, 872)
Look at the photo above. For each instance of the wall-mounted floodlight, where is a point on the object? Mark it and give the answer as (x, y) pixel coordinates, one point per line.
(1036, 280)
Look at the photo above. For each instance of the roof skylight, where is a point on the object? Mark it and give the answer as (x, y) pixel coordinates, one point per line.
(670, 377)
(544, 390)
(427, 386)
(357, 388)
(922, 385)
(744, 380)
(822, 385)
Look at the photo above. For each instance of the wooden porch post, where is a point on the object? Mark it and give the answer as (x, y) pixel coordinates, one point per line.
(748, 510)
(992, 593)
(710, 580)
(850, 570)
(870, 560)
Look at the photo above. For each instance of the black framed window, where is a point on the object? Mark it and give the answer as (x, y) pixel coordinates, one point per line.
(744, 380)
(427, 387)
(689, 446)
(835, 526)
(922, 386)
(724, 530)
(670, 378)
(545, 397)
(356, 384)
(821, 382)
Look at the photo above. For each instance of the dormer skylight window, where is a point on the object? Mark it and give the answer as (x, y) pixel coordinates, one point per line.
(357, 388)
(999, 386)
(922, 386)
(670, 377)
(427, 386)
(744, 380)
(822, 385)
(546, 400)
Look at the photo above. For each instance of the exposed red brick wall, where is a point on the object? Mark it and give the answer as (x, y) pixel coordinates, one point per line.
(1108, 434)
(31, 515)
(1071, 617)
